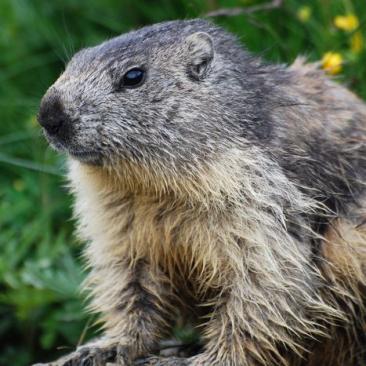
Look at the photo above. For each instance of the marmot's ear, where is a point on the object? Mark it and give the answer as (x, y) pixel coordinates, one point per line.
(200, 54)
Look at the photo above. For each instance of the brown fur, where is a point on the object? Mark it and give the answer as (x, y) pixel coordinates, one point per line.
(195, 243)
(233, 239)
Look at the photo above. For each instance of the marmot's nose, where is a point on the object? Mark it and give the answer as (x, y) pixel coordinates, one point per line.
(52, 116)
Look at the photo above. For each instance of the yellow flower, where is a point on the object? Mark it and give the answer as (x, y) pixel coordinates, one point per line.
(356, 42)
(332, 62)
(304, 13)
(347, 22)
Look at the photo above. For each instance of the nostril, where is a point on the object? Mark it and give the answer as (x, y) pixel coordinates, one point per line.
(55, 127)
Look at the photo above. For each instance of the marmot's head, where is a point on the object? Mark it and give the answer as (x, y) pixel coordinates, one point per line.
(176, 93)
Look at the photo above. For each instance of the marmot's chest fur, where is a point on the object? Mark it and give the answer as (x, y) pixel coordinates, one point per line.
(186, 240)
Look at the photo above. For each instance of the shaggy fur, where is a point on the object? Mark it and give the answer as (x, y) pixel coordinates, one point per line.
(222, 187)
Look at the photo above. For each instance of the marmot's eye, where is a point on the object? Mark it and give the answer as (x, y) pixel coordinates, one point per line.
(133, 78)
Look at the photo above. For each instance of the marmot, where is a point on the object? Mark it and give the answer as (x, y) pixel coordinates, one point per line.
(212, 183)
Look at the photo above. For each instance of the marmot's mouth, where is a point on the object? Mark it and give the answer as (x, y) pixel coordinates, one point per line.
(85, 156)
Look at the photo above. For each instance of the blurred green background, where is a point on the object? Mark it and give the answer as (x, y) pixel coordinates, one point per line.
(41, 311)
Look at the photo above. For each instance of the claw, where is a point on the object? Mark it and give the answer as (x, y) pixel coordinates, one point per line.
(88, 361)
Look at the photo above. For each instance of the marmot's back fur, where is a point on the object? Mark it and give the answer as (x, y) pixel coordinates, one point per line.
(210, 182)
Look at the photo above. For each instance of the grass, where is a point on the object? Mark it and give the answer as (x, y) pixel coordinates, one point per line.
(40, 266)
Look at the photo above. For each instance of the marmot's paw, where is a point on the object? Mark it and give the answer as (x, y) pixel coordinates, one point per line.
(198, 360)
(97, 355)
(162, 361)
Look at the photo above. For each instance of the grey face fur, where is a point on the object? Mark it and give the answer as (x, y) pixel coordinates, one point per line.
(198, 84)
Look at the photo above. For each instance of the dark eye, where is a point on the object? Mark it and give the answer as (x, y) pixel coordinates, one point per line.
(133, 78)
